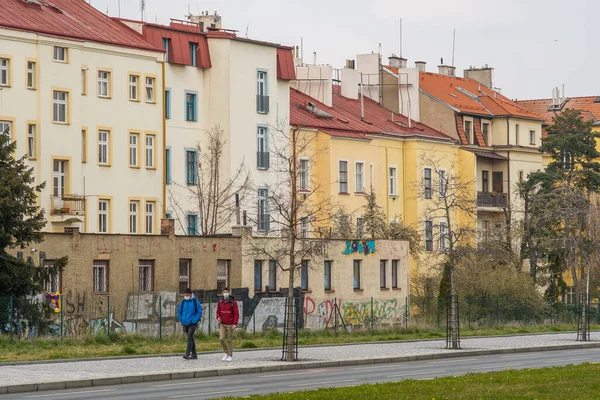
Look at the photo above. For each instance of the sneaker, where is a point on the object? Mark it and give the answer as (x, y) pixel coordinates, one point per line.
(224, 357)
(229, 359)
(193, 357)
(186, 357)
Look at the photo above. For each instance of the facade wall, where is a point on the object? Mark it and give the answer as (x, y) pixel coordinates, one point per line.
(66, 142)
(438, 116)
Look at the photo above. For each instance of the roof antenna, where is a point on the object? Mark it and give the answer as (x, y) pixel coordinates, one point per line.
(400, 37)
(119, 5)
(155, 19)
(142, 8)
(247, 26)
(453, 45)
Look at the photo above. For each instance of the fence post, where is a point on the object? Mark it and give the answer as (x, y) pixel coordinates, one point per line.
(335, 313)
(108, 316)
(598, 311)
(469, 311)
(11, 317)
(551, 314)
(372, 320)
(209, 314)
(406, 313)
(439, 305)
(525, 313)
(160, 317)
(60, 299)
(497, 310)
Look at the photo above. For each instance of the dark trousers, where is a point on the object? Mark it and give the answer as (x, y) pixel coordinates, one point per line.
(191, 344)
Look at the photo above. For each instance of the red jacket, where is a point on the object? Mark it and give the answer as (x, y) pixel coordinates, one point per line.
(227, 311)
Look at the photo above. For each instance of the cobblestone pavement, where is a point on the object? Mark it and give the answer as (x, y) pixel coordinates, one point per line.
(96, 369)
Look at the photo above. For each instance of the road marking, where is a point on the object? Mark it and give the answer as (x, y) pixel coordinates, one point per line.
(452, 361)
(188, 383)
(488, 367)
(208, 393)
(69, 393)
(415, 373)
(320, 383)
(290, 374)
(515, 356)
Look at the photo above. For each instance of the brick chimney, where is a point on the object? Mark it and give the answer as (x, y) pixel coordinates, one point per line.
(481, 75)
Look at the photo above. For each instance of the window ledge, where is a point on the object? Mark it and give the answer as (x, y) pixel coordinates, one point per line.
(32, 158)
(61, 123)
(134, 100)
(105, 97)
(5, 86)
(150, 102)
(101, 293)
(394, 196)
(302, 191)
(384, 288)
(330, 291)
(134, 167)
(306, 291)
(396, 288)
(105, 165)
(151, 168)
(360, 193)
(344, 193)
(359, 290)
(32, 88)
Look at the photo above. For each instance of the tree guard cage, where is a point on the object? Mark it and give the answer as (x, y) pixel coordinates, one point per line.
(583, 320)
(452, 321)
(296, 324)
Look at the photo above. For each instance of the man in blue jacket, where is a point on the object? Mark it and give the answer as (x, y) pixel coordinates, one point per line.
(189, 313)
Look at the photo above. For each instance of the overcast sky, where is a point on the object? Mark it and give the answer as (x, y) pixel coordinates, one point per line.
(533, 45)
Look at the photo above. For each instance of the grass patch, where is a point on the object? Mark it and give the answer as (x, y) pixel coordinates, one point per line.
(570, 382)
(102, 345)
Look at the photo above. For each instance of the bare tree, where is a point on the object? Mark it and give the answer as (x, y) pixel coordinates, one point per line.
(448, 198)
(214, 194)
(297, 204)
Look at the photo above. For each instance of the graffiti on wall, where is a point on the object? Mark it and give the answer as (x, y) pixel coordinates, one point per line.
(268, 314)
(365, 247)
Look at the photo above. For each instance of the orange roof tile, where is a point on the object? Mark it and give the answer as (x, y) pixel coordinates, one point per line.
(590, 110)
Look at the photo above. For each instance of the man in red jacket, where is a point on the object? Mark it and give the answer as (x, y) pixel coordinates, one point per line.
(227, 315)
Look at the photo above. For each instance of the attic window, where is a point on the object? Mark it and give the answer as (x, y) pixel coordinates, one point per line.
(34, 2)
(466, 92)
(559, 107)
(597, 99)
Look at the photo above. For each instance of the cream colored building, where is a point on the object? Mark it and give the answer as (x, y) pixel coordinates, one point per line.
(82, 97)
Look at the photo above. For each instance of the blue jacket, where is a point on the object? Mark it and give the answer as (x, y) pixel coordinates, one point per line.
(189, 311)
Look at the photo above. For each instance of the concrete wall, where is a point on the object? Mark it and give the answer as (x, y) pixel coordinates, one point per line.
(438, 116)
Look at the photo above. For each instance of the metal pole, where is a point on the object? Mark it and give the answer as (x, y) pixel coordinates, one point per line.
(61, 317)
(335, 313)
(11, 317)
(160, 317)
(108, 317)
(438, 311)
(372, 316)
(525, 313)
(406, 313)
(209, 315)
(469, 311)
(497, 309)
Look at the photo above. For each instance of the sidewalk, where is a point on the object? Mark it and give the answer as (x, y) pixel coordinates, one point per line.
(77, 374)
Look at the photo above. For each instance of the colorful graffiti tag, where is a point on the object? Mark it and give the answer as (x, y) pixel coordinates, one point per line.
(365, 247)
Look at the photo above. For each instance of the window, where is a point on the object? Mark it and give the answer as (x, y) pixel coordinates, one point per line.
(372, 177)
(521, 176)
(485, 130)
(327, 273)
(192, 224)
(258, 275)
(272, 275)
(303, 177)
(103, 147)
(190, 107)
(149, 151)
(150, 89)
(393, 172)
(84, 71)
(60, 54)
(100, 276)
(60, 106)
(168, 163)
(103, 216)
(191, 163)
(134, 139)
(428, 236)
(262, 96)
(485, 181)
(343, 176)
(168, 104)
(4, 72)
(531, 137)
(567, 160)
(193, 49)
(304, 275)
(262, 147)
(304, 227)
(360, 227)
(52, 283)
(83, 146)
(134, 207)
(359, 178)
(222, 274)
(427, 183)
(394, 274)
(382, 274)
(356, 274)
(517, 134)
(150, 206)
(443, 236)
(31, 140)
(442, 183)
(59, 180)
(31, 83)
(103, 84)
(146, 283)
(5, 126)
(486, 229)
(498, 181)
(264, 219)
(469, 131)
(134, 82)
(166, 45)
(184, 274)
(570, 295)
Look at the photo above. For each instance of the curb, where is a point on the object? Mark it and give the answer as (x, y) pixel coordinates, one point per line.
(155, 377)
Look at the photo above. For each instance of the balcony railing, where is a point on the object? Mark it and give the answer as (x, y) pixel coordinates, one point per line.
(263, 222)
(262, 159)
(68, 204)
(491, 199)
(262, 104)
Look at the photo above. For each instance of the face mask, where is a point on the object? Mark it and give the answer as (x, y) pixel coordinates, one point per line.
(226, 295)
(187, 297)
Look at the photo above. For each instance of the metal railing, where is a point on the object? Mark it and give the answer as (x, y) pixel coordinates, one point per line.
(491, 199)
(262, 159)
(69, 204)
(262, 104)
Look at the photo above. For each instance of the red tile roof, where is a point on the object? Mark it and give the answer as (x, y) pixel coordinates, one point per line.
(469, 97)
(181, 36)
(346, 118)
(73, 19)
(590, 110)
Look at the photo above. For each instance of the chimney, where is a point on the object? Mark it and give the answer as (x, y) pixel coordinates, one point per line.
(350, 79)
(446, 70)
(396, 61)
(481, 75)
(167, 226)
(350, 64)
(420, 66)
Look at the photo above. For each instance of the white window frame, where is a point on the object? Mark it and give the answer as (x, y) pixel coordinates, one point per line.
(30, 74)
(532, 137)
(372, 176)
(517, 134)
(60, 54)
(134, 149)
(4, 71)
(134, 210)
(488, 139)
(150, 209)
(134, 84)
(261, 83)
(340, 176)
(103, 84)
(263, 208)
(150, 151)
(359, 181)
(304, 227)
(103, 215)
(443, 244)
(31, 134)
(442, 182)
(100, 269)
(393, 180)
(60, 106)
(304, 174)
(428, 238)
(150, 89)
(360, 226)
(146, 278)
(425, 187)
(103, 147)
(471, 134)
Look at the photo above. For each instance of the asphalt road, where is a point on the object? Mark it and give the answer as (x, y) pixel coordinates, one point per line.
(298, 380)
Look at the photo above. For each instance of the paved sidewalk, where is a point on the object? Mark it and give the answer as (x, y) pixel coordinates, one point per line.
(50, 376)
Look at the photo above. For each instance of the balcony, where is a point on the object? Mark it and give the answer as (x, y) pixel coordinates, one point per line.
(262, 159)
(262, 104)
(492, 199)
(67, 207)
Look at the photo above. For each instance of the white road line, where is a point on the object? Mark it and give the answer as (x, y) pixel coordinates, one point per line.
(488, 367)
(320, 383)
(188, 383)
(208, 393)
(515, 356)
(69, 393)
(290, 374)
(454, 360)
(415, 373)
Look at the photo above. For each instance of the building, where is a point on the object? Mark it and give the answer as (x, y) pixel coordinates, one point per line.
(82, 96)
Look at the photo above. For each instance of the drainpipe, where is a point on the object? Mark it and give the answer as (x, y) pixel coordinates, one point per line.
(387, 186)
(164, 149)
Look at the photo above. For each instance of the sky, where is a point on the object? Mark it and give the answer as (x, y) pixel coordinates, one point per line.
(533, 45)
